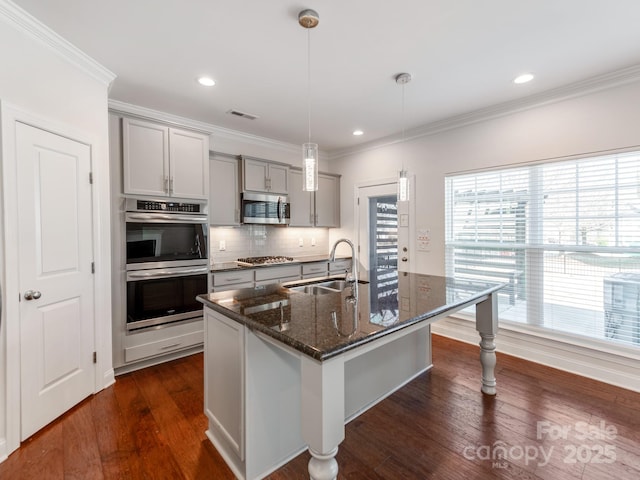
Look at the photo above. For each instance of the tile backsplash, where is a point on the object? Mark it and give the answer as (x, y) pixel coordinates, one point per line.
(259, 240)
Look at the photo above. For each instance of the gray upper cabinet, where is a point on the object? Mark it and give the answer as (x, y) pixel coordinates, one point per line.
(327, 201)
(224, 190)
(315, 209)
(164, 161)
(264, 176)
(300, 202)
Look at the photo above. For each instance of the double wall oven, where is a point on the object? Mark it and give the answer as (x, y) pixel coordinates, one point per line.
(166, 261)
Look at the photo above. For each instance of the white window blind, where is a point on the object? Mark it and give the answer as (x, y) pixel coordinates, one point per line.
(564, 236)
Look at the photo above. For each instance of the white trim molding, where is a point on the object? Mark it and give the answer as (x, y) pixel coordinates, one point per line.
(127, 109)
(581, 358)
(26, 23)
(577, 89)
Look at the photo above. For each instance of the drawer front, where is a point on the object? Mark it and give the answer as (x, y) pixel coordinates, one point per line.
(235, 286)
(278, 280)
(161, 347)
(339, 266)
(273, 273)
(231, 278)
(317, 268)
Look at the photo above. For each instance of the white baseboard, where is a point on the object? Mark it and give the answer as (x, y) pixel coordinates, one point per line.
(109, 378)
(589, 361)
(3, 450)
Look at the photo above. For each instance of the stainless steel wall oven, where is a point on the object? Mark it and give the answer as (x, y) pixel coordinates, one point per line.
(166, 261)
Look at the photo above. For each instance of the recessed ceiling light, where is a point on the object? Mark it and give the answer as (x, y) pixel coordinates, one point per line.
(357, 133)
(206, 81)
(524, 78)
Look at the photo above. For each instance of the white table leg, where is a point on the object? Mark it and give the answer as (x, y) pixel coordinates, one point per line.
(487, 326)
(488, 362)
(323, 414)
(323, 466)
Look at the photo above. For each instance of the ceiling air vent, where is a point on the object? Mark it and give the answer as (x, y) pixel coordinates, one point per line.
(238, 113)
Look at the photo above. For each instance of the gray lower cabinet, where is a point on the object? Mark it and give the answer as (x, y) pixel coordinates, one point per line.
(232, 280)
(278, 274)
(340, 266)
(315, 209)
(315, 269)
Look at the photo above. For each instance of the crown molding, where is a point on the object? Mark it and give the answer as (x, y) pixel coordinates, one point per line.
(577, 89)
(29, 25)
(128, 109)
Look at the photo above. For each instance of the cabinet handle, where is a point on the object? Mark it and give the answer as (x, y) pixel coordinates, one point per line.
(166, 184)
(167, 347)
(232, 279)
(236, 216)
(311, 218)
(171, 185)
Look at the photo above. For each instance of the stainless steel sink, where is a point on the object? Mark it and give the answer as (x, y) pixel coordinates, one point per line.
(315, 289)
(323, 287)
(337, 285)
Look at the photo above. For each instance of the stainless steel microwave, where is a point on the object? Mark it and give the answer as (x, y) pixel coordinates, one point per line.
(265, 208)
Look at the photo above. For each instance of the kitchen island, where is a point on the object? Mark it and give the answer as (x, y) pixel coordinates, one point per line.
(286, 366)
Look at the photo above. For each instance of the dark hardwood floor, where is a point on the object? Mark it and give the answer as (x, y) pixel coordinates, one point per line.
(547, 424)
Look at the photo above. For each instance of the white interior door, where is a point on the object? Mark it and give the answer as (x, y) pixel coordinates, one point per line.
(56, 280)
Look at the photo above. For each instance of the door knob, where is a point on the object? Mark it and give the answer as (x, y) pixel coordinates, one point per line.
(405, 259)
(32, 295)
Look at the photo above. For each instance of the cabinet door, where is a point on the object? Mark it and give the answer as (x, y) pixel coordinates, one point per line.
(224, 191)
(278, 178)
(189, 164)
(145, 150)
(255, 173)
(327, 205)
(300, 202)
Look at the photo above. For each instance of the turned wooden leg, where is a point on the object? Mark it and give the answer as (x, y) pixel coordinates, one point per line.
(323, 466)
(487, 327)
(488, 362)
(323, 414)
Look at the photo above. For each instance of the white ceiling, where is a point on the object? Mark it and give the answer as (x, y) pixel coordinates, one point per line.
(462, 54)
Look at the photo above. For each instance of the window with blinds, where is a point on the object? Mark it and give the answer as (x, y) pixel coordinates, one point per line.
(563, 236)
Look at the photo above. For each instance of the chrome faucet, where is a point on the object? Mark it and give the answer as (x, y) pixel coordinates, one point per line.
(353, 278)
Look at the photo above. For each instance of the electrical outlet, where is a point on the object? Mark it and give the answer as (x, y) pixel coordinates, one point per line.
(313, 241)
(222, 245)
(301, 242)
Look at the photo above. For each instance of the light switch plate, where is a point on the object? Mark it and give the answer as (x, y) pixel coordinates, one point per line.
(222, 245)
(301, 242)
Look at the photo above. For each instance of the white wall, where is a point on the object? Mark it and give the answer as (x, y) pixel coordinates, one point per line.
(596, 122)
(47, 86)
(604, 120)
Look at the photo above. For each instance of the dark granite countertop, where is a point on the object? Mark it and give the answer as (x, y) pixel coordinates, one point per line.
(228, 266)
(328, 324)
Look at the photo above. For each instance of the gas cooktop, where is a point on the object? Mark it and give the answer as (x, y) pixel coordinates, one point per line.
(267, 260)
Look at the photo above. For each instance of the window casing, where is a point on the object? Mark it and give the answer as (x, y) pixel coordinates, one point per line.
(564, 236)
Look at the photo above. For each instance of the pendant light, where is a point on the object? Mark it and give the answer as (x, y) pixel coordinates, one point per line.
(309, 19)
(403, 176)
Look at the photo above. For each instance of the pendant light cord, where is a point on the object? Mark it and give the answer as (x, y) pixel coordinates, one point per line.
(403, 113)
(309, 81)
(402, 142)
